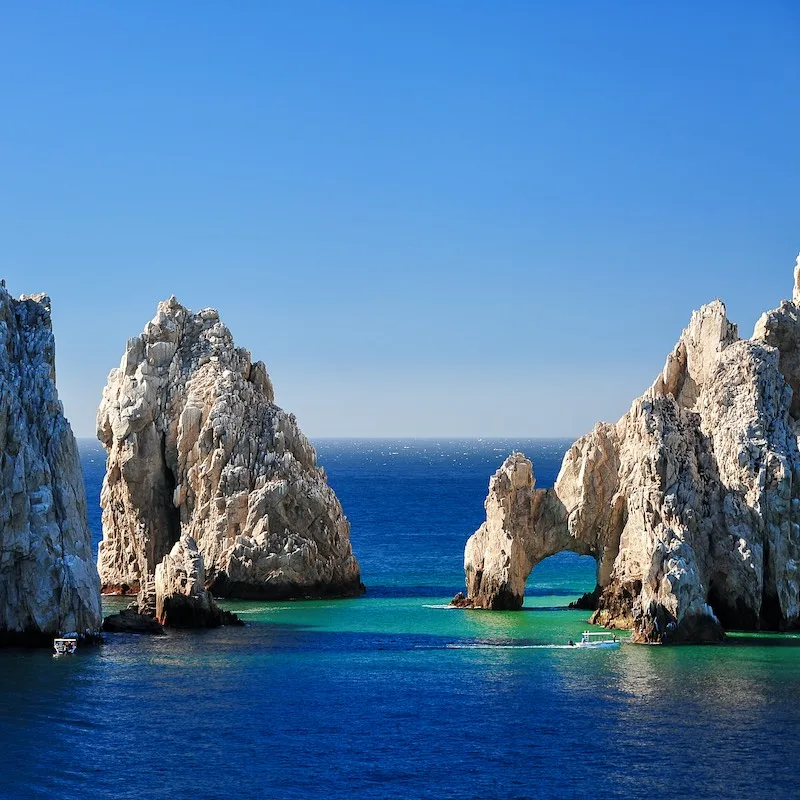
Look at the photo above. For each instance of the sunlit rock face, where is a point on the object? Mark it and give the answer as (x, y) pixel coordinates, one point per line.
(197, 447)
(48, 580)
(690, 503)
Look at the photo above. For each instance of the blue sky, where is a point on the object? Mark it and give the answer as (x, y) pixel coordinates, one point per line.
(427, 218)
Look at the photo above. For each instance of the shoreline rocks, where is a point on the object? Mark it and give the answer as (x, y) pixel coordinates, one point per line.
(197, 447)
(690, 504)
(48, 581)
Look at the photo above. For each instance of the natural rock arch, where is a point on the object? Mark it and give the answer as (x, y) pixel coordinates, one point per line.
(690, 503)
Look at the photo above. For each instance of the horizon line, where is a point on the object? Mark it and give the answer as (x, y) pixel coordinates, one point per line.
(409, 438)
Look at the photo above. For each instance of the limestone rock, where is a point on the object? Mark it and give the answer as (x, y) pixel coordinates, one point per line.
(197, 446)
(48, 580)
(690, 503)
(182, 600)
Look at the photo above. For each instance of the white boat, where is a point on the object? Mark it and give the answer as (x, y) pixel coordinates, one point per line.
(64, 647)
(609, 642)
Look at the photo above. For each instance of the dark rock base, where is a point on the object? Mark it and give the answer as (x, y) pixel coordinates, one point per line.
(503, 600)
(662, 628)
(184, 612)
(129, 621)
(615, 605)
(35, 638)
(588, 601)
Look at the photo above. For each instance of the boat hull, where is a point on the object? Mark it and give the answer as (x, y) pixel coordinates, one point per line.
(598, 645)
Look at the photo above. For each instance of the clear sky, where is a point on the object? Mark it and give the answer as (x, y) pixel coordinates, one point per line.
(427, 218)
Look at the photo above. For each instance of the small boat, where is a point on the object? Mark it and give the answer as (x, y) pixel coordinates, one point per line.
(609, 642)
(64, 647)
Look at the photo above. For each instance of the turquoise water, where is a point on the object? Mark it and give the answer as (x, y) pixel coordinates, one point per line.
(390, 696)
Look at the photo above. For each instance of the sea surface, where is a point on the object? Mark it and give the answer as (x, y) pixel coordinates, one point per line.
(392, 695)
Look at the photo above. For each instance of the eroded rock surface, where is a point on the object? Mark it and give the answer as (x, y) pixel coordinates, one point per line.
(182, 601)
(197, 447)
(690, 503)
(48, 580)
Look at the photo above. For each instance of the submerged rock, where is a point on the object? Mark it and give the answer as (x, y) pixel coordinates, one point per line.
(690, 503)
(48, 580)
(197, 446)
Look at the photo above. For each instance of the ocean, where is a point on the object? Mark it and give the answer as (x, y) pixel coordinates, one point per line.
(392, 695)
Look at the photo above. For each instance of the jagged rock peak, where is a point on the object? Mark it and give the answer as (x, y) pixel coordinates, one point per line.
(48, 581)
(688, 366)
(196, 446)
(690, 504)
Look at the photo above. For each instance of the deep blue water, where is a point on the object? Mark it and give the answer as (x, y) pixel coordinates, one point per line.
(388, 696)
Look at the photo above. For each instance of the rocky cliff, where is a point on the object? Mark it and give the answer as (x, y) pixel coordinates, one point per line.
(48, 580)
(690, 503)
(197, 447)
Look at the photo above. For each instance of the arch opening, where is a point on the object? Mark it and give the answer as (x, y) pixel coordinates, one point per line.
(560, 580)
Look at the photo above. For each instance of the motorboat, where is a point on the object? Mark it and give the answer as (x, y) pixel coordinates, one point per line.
(597, 641)
(64, 647)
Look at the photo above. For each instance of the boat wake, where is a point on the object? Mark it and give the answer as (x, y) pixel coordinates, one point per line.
(511, 647)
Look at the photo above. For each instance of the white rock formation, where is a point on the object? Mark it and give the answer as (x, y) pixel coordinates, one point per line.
(196, 446)
(690, 503)
(48, 580)
(182, 600)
